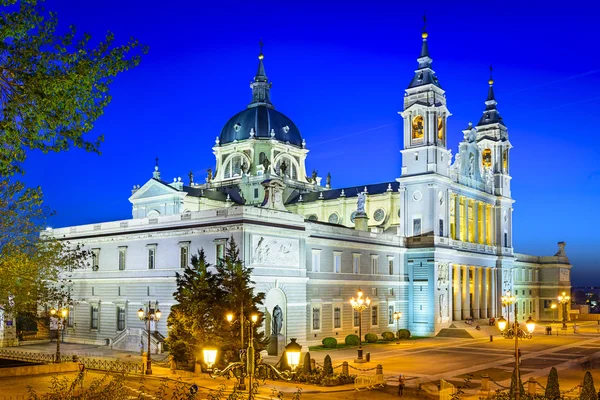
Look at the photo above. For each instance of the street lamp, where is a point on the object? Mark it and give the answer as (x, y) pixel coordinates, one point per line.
(61, 315)
(359, 305)
(553, 307)
(517, 333)
(292, 351)
(243, 323)
(150, 316)
(563, 299)
(507, 301)
(210, 356)
(397, 316)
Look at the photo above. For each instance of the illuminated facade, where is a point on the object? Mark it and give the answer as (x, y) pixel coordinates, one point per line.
(437, 244)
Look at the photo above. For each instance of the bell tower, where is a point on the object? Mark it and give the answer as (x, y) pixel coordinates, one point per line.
(425, 115)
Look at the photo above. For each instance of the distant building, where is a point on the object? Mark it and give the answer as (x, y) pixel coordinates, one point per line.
(436, 243)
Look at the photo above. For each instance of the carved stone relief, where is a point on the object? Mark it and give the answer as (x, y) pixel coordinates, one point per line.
(268, 250)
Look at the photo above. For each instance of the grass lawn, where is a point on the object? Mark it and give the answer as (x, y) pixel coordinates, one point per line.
(342, 345)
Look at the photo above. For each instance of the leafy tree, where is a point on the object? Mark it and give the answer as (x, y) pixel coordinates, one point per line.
(552, 387)
(53, 87)
(513, 384)
(588, 391)
(239, 293)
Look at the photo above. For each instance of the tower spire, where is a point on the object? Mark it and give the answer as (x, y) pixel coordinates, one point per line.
(424, 35)
(261, 86)
(490, 114)
(424, 75)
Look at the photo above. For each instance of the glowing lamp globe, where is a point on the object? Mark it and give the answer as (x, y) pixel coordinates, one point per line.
(502, 323)
(229, 317)
(530, 325)
(64, 312)
(141, 313)
(210, 356)
(553, 306)
(292, 351)
(254, 318)
(157, 314)
(53, 311)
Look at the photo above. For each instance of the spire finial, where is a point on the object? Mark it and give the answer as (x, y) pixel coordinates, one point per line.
(260, 43)
(491, 81)
(156, 165)
(424, 34)
(156, 173)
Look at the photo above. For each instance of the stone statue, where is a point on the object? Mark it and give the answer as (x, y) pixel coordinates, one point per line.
(314, 176)
(209, 175)
(245, 167)
(328, 180)
(442, 273)
(283, 168)
(489, 177)
(471, 164)
(277, 323)
(266, 164)
(561, 250)
(360, 206)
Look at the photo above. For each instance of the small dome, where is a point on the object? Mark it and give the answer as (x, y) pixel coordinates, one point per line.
(267, 124)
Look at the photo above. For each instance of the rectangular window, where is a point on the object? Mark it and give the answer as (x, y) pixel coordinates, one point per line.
(316, 260)
(391, 265)
(94, 317)
(374, 310)
(121, 318)
(151, 256)
(337, 317)
(441, 233)
(356, 263)
(220, 253)
(374, 265)
(505, 239)
(547, 303)
(416, 226)
(184, 254)
(316, 318)
(122, 257)
(95, 259)
(256, 193)
(337, 262)
(71, 317)
(356, 319)
(390, 315)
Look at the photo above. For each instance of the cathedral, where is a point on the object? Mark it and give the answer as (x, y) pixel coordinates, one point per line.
(434, 243)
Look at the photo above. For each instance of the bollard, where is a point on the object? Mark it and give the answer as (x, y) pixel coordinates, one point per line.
(144, 362)
(368, 357)
(312, 364)
(485, 383)
(531, 386)
(173, 364)
(345, 368)
(379, 369)
(491, 338)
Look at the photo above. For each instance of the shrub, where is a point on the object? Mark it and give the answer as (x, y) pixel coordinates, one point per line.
(306, 365)
(403, 334)
(283, 363)
(588, 391)
(371, 338)
(388, 336)
(327, 367)
(329, 343)
(352, 340)
(552, 387)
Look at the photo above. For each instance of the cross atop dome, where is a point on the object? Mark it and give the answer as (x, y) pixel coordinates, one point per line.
(261, 87)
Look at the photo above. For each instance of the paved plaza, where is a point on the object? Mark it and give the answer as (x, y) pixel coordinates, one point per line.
(423, 362)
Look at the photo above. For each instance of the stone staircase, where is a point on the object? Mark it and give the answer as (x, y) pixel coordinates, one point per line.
(459, 329)
(131, 338)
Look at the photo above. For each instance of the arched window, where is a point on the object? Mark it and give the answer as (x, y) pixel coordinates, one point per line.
(440, 129)
(486, 157)
(417, 127)
(152, 214)
(233, 168)
(291, 171)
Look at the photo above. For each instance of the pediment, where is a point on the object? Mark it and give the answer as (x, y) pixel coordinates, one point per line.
(153, 188)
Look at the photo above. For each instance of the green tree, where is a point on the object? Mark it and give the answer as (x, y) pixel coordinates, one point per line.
(306, 364)
(327, 366)
(53, 87)
(588, 391)
(238, 289)
(199, 316)
(513, 384)
(552, 386)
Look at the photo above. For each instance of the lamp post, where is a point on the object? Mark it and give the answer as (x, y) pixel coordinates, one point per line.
(507, 301)
(359, 305)
(150, 316)
(563, 300)
(243, 323)
(516, 333)
(397, 316)
(61, 315)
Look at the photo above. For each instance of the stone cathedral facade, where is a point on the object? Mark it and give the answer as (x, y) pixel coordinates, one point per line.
(435, 243)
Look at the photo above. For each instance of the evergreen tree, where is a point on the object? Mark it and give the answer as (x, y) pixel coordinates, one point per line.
(327, 366)
(513, 384)
(306, 365)
(238, 293)
(588, 391)
(552, 386)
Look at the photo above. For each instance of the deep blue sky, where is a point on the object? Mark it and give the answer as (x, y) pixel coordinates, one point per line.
(339, 70)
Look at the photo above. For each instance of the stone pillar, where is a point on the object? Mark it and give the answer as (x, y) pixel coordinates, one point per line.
(457, 217)
(531, 386)
(345, 367)
(457, 287)
(361, 222)
(485, 383)
(466, 290)
(466, 211)
(485, 291)
(476, 221)
(476, 290)
(493, 307)
(484, 223)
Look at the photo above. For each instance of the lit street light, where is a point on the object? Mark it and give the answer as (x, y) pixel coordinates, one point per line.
(243, 323)
(563, 299)
(150, 316)
(397, 316)
(553, 307)
(507, 301)
(60, 315)
(359, 305)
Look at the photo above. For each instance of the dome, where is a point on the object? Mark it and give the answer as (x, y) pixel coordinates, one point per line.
(265, 121)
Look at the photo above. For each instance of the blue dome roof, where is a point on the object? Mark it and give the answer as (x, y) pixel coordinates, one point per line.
(263, 119)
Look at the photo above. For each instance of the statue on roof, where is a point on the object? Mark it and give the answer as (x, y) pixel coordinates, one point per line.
(283, 168)
(360, 206)
(328, 180)
(266, 164)
(209, 175)
(314, 176)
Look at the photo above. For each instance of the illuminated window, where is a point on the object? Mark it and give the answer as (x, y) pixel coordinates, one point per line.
(337, 317)
(505, 161)
(440, 129)
(417, 127)
(486, 157)
(374, 315)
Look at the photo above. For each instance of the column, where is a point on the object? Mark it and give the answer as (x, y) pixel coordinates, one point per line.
(456, 217)
(476, 221)
(456, 286)
(466, 211)
(476, 289)
(484, 223)
(485, 289)
(493, 304)
(466, 293)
